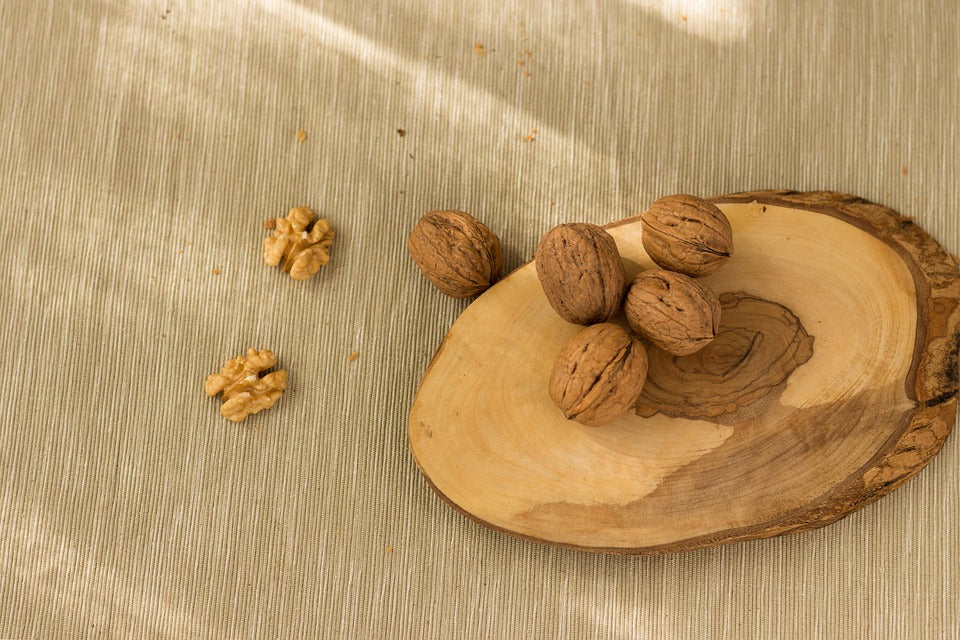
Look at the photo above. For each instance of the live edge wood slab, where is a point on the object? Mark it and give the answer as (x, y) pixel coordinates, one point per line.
(833, 381)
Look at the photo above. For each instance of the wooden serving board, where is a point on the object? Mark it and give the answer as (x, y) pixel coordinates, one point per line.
(833, 380)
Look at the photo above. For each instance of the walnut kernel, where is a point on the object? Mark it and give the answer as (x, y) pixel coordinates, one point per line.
(302, 248)
(581, 272)
(687, 234)
(456, 252)
(244, 391)
(599, 374)
(673, 311)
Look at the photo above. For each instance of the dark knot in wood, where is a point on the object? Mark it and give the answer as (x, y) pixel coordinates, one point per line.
(759, 344)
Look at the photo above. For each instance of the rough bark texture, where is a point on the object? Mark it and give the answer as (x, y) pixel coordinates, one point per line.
(687, 234)
(456, 252)
(581, 272)
(673, 311)
(598, 374)
(935, 377)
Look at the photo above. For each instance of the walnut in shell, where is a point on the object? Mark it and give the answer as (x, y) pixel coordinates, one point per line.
(687, 234)
(300, 243)
(673, 311)
(581, 272)
(245, 389)
(456, 252)
(599, 374)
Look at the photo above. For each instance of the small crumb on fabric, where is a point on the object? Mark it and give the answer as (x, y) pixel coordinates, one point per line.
(553, 203)
(520, 63)
(353, 356)
(903, 171)
(684, 18)
(527, 74)
(401, 132)
(179, 250)
(389, 548)
(188, 242)
(270, 224)
(479, 50)
(301, 135)
(216, 272)
(176, 135)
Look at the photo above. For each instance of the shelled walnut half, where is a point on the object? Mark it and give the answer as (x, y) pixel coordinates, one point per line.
(244, 386)
(301, 243)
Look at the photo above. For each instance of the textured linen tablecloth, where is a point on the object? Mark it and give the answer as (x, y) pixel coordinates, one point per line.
(142, 145)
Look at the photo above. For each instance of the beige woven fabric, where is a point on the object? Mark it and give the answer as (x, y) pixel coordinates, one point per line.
(143, 143)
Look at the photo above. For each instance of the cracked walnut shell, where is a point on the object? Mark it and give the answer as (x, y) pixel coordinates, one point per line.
(581, 272)
(673, 311)
(300, 243)
(245, 389)
(456, 252)
(599, 374)
(687, 234)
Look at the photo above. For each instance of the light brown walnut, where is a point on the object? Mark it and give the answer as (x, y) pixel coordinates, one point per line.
(581, 272)
(244, 386)
(599, 374)
(299, 244)
(687, 234)
(673, 311)
(456, 252)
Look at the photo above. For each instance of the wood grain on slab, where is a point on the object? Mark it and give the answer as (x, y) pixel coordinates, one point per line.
(834, 380)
